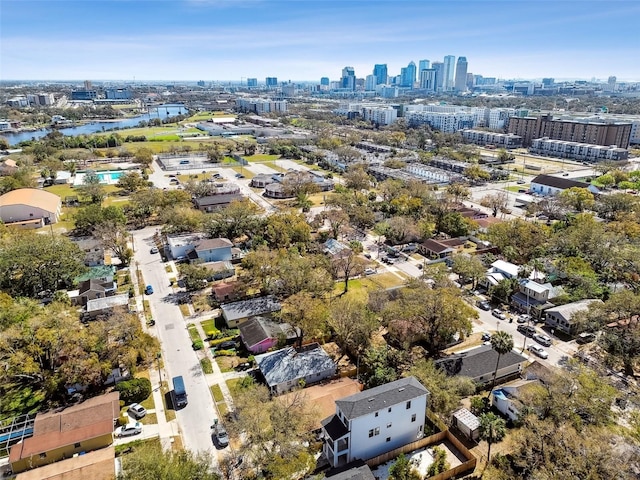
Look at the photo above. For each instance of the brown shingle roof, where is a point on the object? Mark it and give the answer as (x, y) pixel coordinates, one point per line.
(96, 465)
(435, 246)
(33, 197)
(90, 419)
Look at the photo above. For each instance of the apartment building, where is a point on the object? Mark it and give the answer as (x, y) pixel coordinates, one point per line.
(577, 151)
(503, 140)
(260, 105)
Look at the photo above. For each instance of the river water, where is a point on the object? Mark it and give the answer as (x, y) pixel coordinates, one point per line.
(161, 111)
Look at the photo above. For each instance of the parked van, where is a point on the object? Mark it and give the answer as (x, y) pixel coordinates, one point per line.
(179, 393)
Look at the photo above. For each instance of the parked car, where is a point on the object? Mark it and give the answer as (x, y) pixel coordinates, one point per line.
(542, 339)
(137, 410)
(154, 250)
(496, 312)
(128, 430)
(367, 255)
(148, 290)
(486, 337)
(244, 366)
(484, 305)
(220, 435)
(228, 345)
(523, 318)
(538, 350)
(239, 175)
(586, 337)
(369, 271)
(526, 330)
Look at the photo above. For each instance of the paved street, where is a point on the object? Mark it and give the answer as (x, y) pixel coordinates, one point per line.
(179, 358)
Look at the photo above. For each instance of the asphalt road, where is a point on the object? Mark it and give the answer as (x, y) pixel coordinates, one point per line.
(179, 358)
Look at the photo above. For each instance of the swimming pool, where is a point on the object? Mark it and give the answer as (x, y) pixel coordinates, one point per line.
(107, 177)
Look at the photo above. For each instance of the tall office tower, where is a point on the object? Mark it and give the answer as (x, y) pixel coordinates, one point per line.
(448, 73)
(428, 79)
(409, 77)
(611, 84)
(252, 82)
(439, 68)
(548, 82)
(324, 81)
(423, 65)
(470, 80)
(370, 83)
(271, 81)
(87, 84)
(380, 71)
(461, 75)
(348, 79)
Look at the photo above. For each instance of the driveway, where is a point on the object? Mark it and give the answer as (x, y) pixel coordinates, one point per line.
(196, 418)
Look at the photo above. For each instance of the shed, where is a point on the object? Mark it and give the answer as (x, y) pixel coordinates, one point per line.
(467, 423)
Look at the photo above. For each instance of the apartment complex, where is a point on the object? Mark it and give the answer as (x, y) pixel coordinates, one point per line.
(261, 105)
(596, 133)
(577, 151)
(503, 140)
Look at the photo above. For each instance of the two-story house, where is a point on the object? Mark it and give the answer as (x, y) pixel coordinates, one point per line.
(213, 250)
(375, 421)
(500, 270)
(95, 288)
(561, 318)
(532, 294)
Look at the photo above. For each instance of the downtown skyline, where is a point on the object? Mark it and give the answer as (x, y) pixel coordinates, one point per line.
(228, 40)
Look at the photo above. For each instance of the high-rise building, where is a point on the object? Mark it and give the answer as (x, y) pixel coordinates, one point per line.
(439, 68)
(271, 81)
(252, 82)
(408, 75)
(423, 65)
(611, 84)
(461, 75)
(324, 81)
(380, 71)
(370, 83)
(548, 82)
(448, 73)
(348, 79)
(470, 80)
(428, 79)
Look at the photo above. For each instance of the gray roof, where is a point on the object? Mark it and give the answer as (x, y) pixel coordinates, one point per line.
(477, 362)
(356, 473)
(558, 182)
(292, 364)
(381, 397)
(250, 308)
(107, 302)
(258, 329)
(568, 310)
(221, 199)
(212, 244)
(334, 427)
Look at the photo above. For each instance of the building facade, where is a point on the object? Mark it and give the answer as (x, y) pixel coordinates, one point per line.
(481, 137)
(577, 151)
(460, 84)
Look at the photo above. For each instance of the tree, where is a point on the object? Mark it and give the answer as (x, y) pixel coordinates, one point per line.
(379, 365)
(31, 263)
(337, 220)
(504, 156)
(352, 323)
(504, 289)
(502, 343)
(527, 239)
(131, 181)
(347, 264)
(306, 313)
(495, 201)
(577, 198)
(476, 172)
(194, 276)
(297, 182)
(492, 430)
(468, 268)
(182, 219)
(357, 179)
(433, 316)
(144, 156)
(87, 218)
(238, 219)
(453, 224)
(92, 188)
(403, 469)
(115, 237)
(458, 191)
(446, 392)
(151, 461)
(284, 229)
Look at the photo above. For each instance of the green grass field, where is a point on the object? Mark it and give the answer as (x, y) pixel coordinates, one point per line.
(262, 157)
(193, 333)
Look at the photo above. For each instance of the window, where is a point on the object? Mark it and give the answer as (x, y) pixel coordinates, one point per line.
(76, 445)
(413, 417)
(389, 410)
(377, 413)
(374, 431)
(408, 404)
(388, 439)
(389, 425)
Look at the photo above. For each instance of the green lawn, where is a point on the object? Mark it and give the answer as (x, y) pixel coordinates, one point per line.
(216, 391)
(262, 157)
(184, 309)
(234, 386)
(274, 166)
(205, 363)
(193, 333)
(169, 413)
(209, 326)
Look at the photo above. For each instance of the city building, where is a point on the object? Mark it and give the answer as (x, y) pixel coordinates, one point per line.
(271, 81)
(548, 185)
(380, 115)
(423, 65)
(460, 84)
(428, 79)
(117, 94)
(252, 82)
(348, 79)
(448, 73)
(370, 83)
(408, 75)
(577, 151)
(261, 105)
(84, 95)
(30, 207)
(591, 132)
(324, 81)
(375, 421)
(502, 140)
(380, 72)
(439, 68)
(445, 122)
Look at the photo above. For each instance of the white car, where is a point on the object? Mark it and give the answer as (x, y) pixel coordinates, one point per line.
(542, 339)
(538, 350)
(498, 314)
(137, 410)
(129, 429)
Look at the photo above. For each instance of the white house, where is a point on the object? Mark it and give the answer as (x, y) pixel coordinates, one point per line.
(506, 399)
(561, 318)
(500, 270)
(375, 421)
(549, 185)
(30, 205)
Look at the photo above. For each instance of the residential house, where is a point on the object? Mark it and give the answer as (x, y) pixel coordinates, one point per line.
(561, 318)
(434, 249)
(375, 421)
(506, 399)
(361, 472)
(180, 244)
(467, 423)
(96, 465)
(290, 367)
(500, 270)
(238, 312)
(212, 203)
(534, 295)
(259, 334)
(479, 364)
(94, 288)
(227, 292)
(30, 208)
(213, 250)
(219, 270)
(335, 248)
(75, 430)
(8, 167)
(104, 306)
(548, 185)
(94, 253)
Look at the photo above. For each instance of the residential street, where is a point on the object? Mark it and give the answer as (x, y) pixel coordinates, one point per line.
(179, 358)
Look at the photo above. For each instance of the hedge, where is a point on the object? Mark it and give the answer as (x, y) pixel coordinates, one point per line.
(135, 390)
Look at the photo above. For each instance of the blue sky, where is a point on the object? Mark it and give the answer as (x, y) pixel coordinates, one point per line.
(307, 39)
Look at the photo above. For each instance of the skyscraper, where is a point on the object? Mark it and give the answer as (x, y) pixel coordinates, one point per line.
(271, 81)
(461, 75)
(324, 81)
(428, 79)
(370, 83)
(409, 77)
(448, 73)
(439, 68)
(348, 79)
(423, 65)
(252, 82)
(380, 72)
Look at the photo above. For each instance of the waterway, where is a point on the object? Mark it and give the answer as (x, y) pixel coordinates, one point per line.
(160, 111)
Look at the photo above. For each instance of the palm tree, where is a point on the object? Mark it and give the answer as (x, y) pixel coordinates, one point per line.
(501, 342)
(492, 429)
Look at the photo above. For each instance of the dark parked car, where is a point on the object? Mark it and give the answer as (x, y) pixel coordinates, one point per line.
(228, 345)
(220, 435)
(484, 305)
(526, 330)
